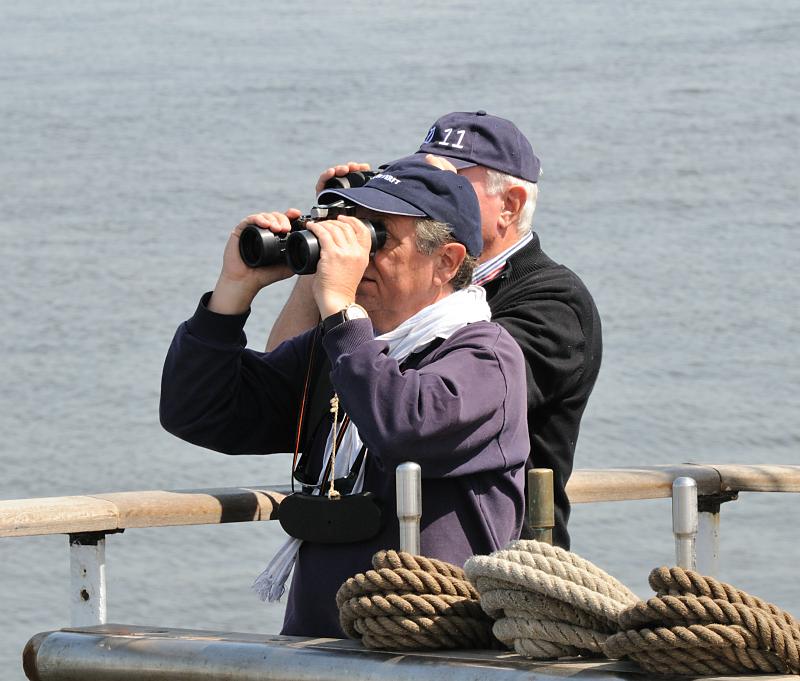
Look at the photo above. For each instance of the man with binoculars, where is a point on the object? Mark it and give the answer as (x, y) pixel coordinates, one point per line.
(418, 372)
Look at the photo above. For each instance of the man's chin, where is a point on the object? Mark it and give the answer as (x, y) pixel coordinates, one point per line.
(365, 299)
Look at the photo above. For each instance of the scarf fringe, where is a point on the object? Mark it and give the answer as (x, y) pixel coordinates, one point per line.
(270, 585)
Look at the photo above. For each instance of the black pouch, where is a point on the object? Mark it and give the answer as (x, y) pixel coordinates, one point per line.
(316, 518)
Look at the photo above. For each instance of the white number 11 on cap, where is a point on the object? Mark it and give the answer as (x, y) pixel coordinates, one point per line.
(455, 145)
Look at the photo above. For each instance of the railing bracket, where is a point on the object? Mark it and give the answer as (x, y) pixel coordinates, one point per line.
(710, 503)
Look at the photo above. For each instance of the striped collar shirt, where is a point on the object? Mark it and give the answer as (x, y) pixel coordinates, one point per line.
(486, 271)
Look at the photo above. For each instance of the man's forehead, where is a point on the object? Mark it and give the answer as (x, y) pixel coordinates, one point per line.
(474, 172)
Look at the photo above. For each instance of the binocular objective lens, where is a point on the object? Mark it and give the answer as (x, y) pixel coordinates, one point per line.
(251, 246)
(302, 252)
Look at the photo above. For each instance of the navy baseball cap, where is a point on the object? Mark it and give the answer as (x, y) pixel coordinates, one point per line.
(479, 139)
(413, 187)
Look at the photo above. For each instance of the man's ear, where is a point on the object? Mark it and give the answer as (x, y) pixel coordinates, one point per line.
(449, 260)
(514, 199)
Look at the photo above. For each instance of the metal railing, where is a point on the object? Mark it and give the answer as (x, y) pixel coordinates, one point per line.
(88, 519)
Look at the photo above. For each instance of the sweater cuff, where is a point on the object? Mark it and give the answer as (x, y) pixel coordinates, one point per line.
(343, 338)
(215, 327)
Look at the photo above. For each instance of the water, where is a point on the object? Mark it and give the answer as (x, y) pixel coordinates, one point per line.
(135, 135)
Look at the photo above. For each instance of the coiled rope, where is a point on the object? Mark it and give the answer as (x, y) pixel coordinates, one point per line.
(413, 602)
(548, 602)
(698, 625)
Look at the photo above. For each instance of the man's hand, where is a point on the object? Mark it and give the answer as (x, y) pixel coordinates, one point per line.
(339, 171)
(440, 162)
(343, 256)
(238, 284)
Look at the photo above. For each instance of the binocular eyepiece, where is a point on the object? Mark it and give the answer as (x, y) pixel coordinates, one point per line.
(300, 248)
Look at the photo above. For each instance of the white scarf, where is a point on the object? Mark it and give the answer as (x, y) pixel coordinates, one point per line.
(439, 320)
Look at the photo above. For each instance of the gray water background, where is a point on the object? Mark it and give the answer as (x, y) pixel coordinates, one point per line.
(134, 135)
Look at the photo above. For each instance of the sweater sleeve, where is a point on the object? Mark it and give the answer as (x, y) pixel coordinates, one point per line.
(451, 415)
(552, 340)
(217, 394)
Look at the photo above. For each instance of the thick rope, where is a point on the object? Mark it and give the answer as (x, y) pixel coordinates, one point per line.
(551, 603)
(548, 602)
(698, 625)
(413, 602)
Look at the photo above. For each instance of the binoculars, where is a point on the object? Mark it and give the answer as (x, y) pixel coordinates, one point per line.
(299, 249)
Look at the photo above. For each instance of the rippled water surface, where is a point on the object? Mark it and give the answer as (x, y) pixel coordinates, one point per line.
(135, 135)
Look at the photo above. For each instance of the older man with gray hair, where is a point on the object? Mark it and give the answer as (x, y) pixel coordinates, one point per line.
(544, 305)
(409, 365)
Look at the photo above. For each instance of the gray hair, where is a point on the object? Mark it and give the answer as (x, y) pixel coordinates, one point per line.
(432, 235)
(497, 183)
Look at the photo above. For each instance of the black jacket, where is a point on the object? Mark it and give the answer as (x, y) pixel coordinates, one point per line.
(550, 313)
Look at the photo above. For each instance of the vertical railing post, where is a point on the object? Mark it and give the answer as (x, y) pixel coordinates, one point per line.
(708, 531)
(708, 540)
(87, 566)
(684, 521)
(541, 507)
(408, 482)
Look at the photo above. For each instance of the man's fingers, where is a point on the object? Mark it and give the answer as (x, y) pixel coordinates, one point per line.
(440, 162)
(278, 222)
(360, 231)
(339, 171)
(257, 219)
(355, 166)
(324, 177)
(275, 222)
(339, 233)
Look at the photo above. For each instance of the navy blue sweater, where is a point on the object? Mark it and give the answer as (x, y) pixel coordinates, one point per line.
(460, 414)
